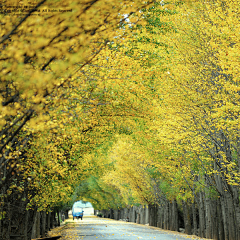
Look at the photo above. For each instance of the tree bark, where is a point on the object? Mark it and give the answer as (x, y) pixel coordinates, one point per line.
(160, 216)
(201, 211)
(166, 216)
(208, 218)
(194, 219)
(214, 217)
(187, 218)
(220, 221)
(43, 228)
(175, 216)
(58, 219)
(26, 226)
(48, 221)
(38, 225)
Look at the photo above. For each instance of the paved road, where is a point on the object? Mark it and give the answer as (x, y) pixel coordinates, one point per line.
(102, 229)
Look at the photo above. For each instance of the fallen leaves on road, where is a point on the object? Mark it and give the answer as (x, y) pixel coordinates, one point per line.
(63, 231)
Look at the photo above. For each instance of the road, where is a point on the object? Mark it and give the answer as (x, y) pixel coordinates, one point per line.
(102, 229)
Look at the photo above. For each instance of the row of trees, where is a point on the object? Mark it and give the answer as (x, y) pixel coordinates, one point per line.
(121, 106)
(49, 95)
(186, 148)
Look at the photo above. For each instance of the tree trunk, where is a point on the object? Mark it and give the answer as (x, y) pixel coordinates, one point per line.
(166, 216)
(146, 214)
(58, 219)
(43, 228)
(9, 220)
(38, 225)
(208, 218)
(201, 212)
(235, 191)
(214, 217)
(52, 222)
(34, 235)
(153, 215)
(48, 221)
(173, 216)
(143, 214)
(187, 218)
(160, 216)
(194, 219)
(26, 226)
(220, 221)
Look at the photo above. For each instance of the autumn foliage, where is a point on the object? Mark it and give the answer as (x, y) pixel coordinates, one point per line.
(122, 103)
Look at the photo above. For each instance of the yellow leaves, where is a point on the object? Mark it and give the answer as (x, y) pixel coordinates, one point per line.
(40, 42)
(129, 170)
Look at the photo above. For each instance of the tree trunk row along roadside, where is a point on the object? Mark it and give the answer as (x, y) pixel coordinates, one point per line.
(202, 219)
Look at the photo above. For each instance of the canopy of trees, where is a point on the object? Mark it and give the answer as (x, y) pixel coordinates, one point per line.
(122, 103)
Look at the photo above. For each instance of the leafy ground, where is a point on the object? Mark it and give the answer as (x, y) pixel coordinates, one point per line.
(66, 230)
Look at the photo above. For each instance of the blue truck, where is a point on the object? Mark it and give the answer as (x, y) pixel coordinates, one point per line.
(77, 210)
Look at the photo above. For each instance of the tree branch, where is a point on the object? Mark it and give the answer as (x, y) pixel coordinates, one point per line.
(4, 38)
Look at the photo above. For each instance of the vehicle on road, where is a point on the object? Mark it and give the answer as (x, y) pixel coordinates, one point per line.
(77, 212)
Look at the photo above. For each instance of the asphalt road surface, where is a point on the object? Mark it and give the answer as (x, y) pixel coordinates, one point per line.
(101, 229)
